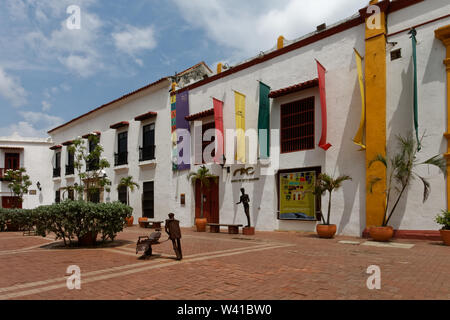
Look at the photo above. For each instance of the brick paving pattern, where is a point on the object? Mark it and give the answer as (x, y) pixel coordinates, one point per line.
(270, 265)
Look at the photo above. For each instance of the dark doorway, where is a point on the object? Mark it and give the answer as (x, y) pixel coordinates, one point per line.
(148, 200)
(210, 201)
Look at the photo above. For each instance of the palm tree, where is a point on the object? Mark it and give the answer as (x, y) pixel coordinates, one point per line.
(203, 176)
(128, 183)
(326, 183)
(400, 172)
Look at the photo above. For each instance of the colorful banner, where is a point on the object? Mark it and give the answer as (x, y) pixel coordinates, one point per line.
(359, 138)
(240, 124)
(182, 111)
(323, 101)
(264, 121)
(173, 117)
(297, 201)
(218, 119)
(413, 34)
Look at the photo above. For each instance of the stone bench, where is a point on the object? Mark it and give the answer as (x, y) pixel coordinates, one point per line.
(151, 224)
(232, 228)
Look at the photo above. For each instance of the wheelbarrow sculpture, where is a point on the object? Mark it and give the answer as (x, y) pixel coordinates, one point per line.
(172, 228)
(145, 244)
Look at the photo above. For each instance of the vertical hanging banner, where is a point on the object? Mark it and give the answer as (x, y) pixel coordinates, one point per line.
(173, 125)
(240, 126)
(323, 102)
(264, 121)
(218, 119)
(182, 111)
(359, 138)
(413, 34)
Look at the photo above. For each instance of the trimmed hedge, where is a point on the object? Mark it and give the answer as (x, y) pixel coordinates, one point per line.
(71, 219)
(19, 219)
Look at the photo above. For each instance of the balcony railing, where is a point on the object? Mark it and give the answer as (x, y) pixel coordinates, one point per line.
(56, 172)
(120, 159)
(70, 170)
(147, 153)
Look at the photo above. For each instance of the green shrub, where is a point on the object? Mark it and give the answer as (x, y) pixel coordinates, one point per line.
(444, 219)
(71, 219)
(21, 219)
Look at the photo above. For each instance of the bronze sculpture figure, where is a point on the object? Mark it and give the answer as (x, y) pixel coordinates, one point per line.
(172, 228)
(245, 199)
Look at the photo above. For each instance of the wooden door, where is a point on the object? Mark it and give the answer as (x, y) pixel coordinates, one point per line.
(11, 202)
(210, 201)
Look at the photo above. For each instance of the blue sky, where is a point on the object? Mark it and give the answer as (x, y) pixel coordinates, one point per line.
(50, 74)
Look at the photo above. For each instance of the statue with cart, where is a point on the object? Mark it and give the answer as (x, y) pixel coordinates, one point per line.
(172, 228)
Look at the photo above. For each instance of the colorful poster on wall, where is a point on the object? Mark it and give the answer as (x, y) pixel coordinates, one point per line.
(297, 201)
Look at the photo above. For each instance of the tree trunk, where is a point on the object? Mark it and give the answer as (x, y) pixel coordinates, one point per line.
(329, 209)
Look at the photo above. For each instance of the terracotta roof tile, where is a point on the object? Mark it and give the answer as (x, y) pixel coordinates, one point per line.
(200, 115)
(146, 116)
(295, 88)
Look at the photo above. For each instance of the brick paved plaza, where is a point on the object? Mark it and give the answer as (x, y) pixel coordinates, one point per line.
(270, 265)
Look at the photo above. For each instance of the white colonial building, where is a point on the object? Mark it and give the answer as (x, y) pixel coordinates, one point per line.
(34, 156)
(135, 130)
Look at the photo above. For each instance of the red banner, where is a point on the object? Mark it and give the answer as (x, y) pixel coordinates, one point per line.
(218, 118)
(323, 102)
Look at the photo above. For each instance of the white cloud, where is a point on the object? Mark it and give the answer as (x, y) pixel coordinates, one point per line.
(78, 51)
(46, 106)
(12, 90)
(35, 124)
(133, 40)
(248, 28)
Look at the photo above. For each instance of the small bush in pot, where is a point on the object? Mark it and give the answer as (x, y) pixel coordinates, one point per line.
(326, 183)
(444, 220)
(400, 169)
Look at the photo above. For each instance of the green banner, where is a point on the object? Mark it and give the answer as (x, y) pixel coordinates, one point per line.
(264, 121)
(413, 34)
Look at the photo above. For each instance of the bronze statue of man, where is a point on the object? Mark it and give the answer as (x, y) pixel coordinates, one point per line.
(172, 228)
(245, 199)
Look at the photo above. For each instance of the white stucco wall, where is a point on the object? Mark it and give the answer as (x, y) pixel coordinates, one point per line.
(154, 99)
(344, 108)
(35, 157)
(412, 213)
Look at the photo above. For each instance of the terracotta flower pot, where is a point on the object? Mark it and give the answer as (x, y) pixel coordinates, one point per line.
(326, 231)
(445, 234)
(201, 224)
(89, 239)
(142, 222)
(130, 221)
(381, 234)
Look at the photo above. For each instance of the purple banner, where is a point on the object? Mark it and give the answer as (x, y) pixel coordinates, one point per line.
(184, 147)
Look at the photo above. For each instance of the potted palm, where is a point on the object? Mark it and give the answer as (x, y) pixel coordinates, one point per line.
(400, 169)
(326, 183)
(444, 220)
(203, 176)
(128, 183)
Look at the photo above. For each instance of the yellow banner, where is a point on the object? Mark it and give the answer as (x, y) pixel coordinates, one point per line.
(359, 138)
(240, 125)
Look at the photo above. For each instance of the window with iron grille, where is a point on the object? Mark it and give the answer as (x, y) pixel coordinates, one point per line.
(57, 196)
(297, 125)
